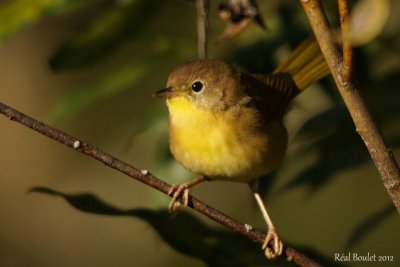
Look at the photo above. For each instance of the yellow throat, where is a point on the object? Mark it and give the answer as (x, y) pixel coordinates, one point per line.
(227, 125)
(223, 145)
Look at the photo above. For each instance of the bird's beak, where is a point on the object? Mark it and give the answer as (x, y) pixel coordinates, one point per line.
(166, 92)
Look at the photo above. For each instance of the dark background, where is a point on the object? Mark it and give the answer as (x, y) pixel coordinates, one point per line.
(90, 68)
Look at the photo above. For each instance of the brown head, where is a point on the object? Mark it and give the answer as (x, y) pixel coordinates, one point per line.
(208, 84)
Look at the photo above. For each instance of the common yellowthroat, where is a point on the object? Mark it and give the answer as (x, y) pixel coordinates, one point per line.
(227, 125)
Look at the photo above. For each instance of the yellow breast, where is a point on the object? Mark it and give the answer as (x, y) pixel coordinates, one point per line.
(223, 145)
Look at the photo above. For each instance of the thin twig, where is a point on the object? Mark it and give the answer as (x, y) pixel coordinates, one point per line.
(347, 68)
(147, 178)
(350, 92)
(202, 27)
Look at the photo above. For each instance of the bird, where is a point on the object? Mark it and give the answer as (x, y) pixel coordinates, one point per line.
(228, 125)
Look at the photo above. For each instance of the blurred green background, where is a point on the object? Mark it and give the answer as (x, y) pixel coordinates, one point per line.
(90, 68)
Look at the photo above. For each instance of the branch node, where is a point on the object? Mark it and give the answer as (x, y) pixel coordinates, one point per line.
(76, 144)
(248, 227)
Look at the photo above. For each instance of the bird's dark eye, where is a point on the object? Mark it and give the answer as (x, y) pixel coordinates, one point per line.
(197, 86)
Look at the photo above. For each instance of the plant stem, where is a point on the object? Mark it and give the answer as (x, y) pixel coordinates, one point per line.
(347, 69)
(202, 27)
(350, 92)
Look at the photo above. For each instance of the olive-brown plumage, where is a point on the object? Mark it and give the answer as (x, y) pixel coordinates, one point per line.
(231, 128)
(227, 125)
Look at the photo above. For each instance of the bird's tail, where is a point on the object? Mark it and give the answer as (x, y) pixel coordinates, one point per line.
(305, 64)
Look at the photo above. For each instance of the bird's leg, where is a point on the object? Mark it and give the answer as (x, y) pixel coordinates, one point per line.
(180, 193)
(273, 245)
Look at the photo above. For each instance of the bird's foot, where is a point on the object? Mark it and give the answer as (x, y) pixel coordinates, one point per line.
(180, 195)
(273, 245)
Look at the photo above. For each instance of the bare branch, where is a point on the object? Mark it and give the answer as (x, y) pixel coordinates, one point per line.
(347, 68)
(202, 27)
(349, 90)
(147, 178)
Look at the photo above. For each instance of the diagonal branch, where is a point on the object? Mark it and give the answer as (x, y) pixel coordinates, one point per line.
(350, 92)
(145, 177)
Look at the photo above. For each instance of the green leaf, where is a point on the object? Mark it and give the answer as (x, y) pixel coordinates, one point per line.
(159, 51)
(338, 148)
(16, 15)
(119, 80)
(368, 19)
(114, 26)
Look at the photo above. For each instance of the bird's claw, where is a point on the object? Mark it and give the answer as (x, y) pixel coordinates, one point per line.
(273, 245)
(180, 194)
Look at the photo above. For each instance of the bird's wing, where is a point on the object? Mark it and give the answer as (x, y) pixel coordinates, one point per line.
(271, 94)
(281, 86)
